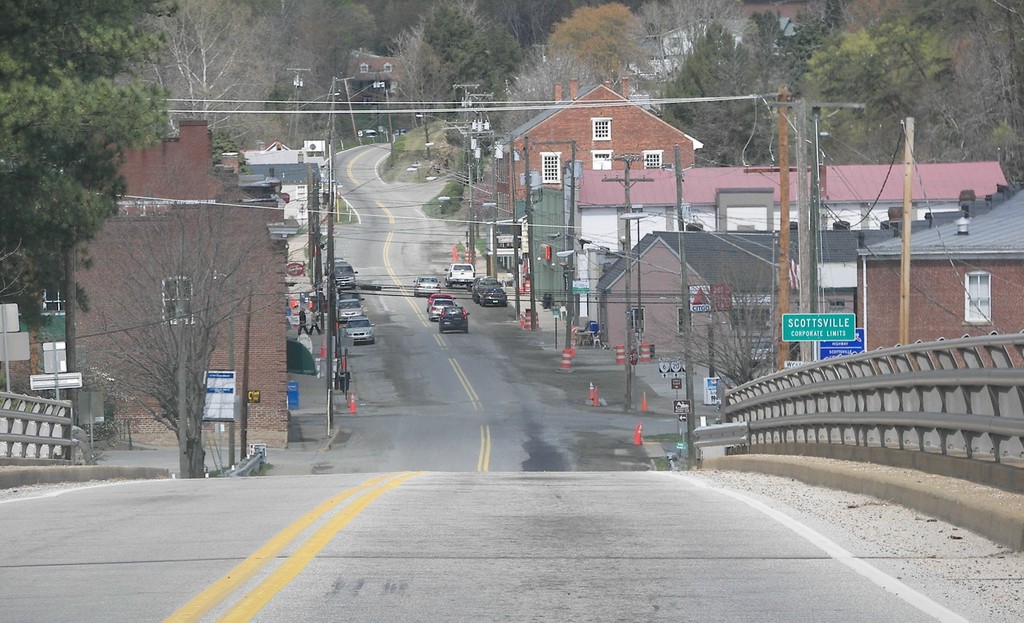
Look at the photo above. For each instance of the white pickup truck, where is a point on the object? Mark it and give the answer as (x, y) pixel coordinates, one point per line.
(459, 275)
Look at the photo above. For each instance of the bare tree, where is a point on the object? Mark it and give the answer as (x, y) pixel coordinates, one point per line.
(736, 339)
(424, 78)
(189, 274)
(542, 69)
(215, 51)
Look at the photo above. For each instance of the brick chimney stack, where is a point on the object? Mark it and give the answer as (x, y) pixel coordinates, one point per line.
(574, 87)
(625, 87)
(558, 91)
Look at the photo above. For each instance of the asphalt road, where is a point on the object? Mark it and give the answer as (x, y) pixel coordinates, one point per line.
(512, 546)
(489, 400)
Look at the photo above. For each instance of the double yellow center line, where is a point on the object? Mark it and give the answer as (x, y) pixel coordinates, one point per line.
(251, 602)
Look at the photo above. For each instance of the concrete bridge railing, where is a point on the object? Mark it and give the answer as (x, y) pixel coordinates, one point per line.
(34, 428)
(961, 398)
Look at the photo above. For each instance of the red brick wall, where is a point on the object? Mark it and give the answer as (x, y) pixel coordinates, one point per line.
(178, 168)
(122, 282)
(634, 131)
(937, 299)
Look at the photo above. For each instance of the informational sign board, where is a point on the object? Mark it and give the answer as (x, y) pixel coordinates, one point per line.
(839, 348)
(220, 396)
(818, 327)
(580, 286)
(711, 391)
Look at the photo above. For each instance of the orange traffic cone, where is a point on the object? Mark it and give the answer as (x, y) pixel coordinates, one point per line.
(643, 403)
(597, 397)
(638, 435)
(352, 403)
(590, 394)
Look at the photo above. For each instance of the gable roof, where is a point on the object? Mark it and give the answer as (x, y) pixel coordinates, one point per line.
(593, 97)
(996, 232)
(722, 257)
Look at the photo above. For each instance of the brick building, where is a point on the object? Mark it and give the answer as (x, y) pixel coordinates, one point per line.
(966, 278)
(604, 126)
(183, 222)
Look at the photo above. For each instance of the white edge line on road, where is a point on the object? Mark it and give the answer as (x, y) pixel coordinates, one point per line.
(71, 489)
(916, 599)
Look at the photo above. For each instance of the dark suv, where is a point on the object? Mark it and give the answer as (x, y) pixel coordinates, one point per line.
(453, 318)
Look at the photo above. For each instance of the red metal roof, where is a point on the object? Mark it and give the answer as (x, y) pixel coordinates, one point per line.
(842, 183)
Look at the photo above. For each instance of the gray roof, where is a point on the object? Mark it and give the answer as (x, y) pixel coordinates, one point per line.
(999, 231)
(732, 257)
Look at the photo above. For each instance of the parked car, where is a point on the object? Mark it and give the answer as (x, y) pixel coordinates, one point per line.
(350, 308)
(425, 286)
(459, 275)
(453, 318)
(493, 297)
(435, 308)
(344, 275)
(360, 330)
(483, 283)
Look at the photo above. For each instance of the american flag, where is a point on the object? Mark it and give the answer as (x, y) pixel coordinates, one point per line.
(794, 274)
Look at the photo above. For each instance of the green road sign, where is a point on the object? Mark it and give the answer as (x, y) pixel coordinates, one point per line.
(818, 327)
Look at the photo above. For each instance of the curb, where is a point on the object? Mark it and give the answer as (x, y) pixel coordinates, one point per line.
(992, 513)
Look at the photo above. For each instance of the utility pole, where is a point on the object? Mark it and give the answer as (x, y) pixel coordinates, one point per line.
(783, 347)
(569, 248)
(329, 286)
(686, 327)
(908, 179)
(628, 160)
(529, 232)
(803, 209)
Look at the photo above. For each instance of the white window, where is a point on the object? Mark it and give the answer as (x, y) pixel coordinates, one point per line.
(601, 128)
(978, 298)
(551, 168)
(176, 294)
(602, 159)
(652, 159)
(388, 68)
(364, 68)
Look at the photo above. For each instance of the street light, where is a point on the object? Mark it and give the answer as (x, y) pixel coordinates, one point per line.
(630, 319)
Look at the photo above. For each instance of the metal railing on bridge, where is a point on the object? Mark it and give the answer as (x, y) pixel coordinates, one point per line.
(961, 398)
(34, 428)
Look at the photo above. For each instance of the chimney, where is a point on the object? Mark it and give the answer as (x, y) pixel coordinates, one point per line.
(558, 91)
(229, 160)
(625, 87)
(574, 87)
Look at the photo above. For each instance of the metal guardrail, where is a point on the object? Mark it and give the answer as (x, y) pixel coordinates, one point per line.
(733, 434)
(251, 465)
(34, 428)
(961, 397)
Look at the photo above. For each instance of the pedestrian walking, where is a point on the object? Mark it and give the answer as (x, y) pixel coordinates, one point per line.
(302, 322)
(315, 324)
